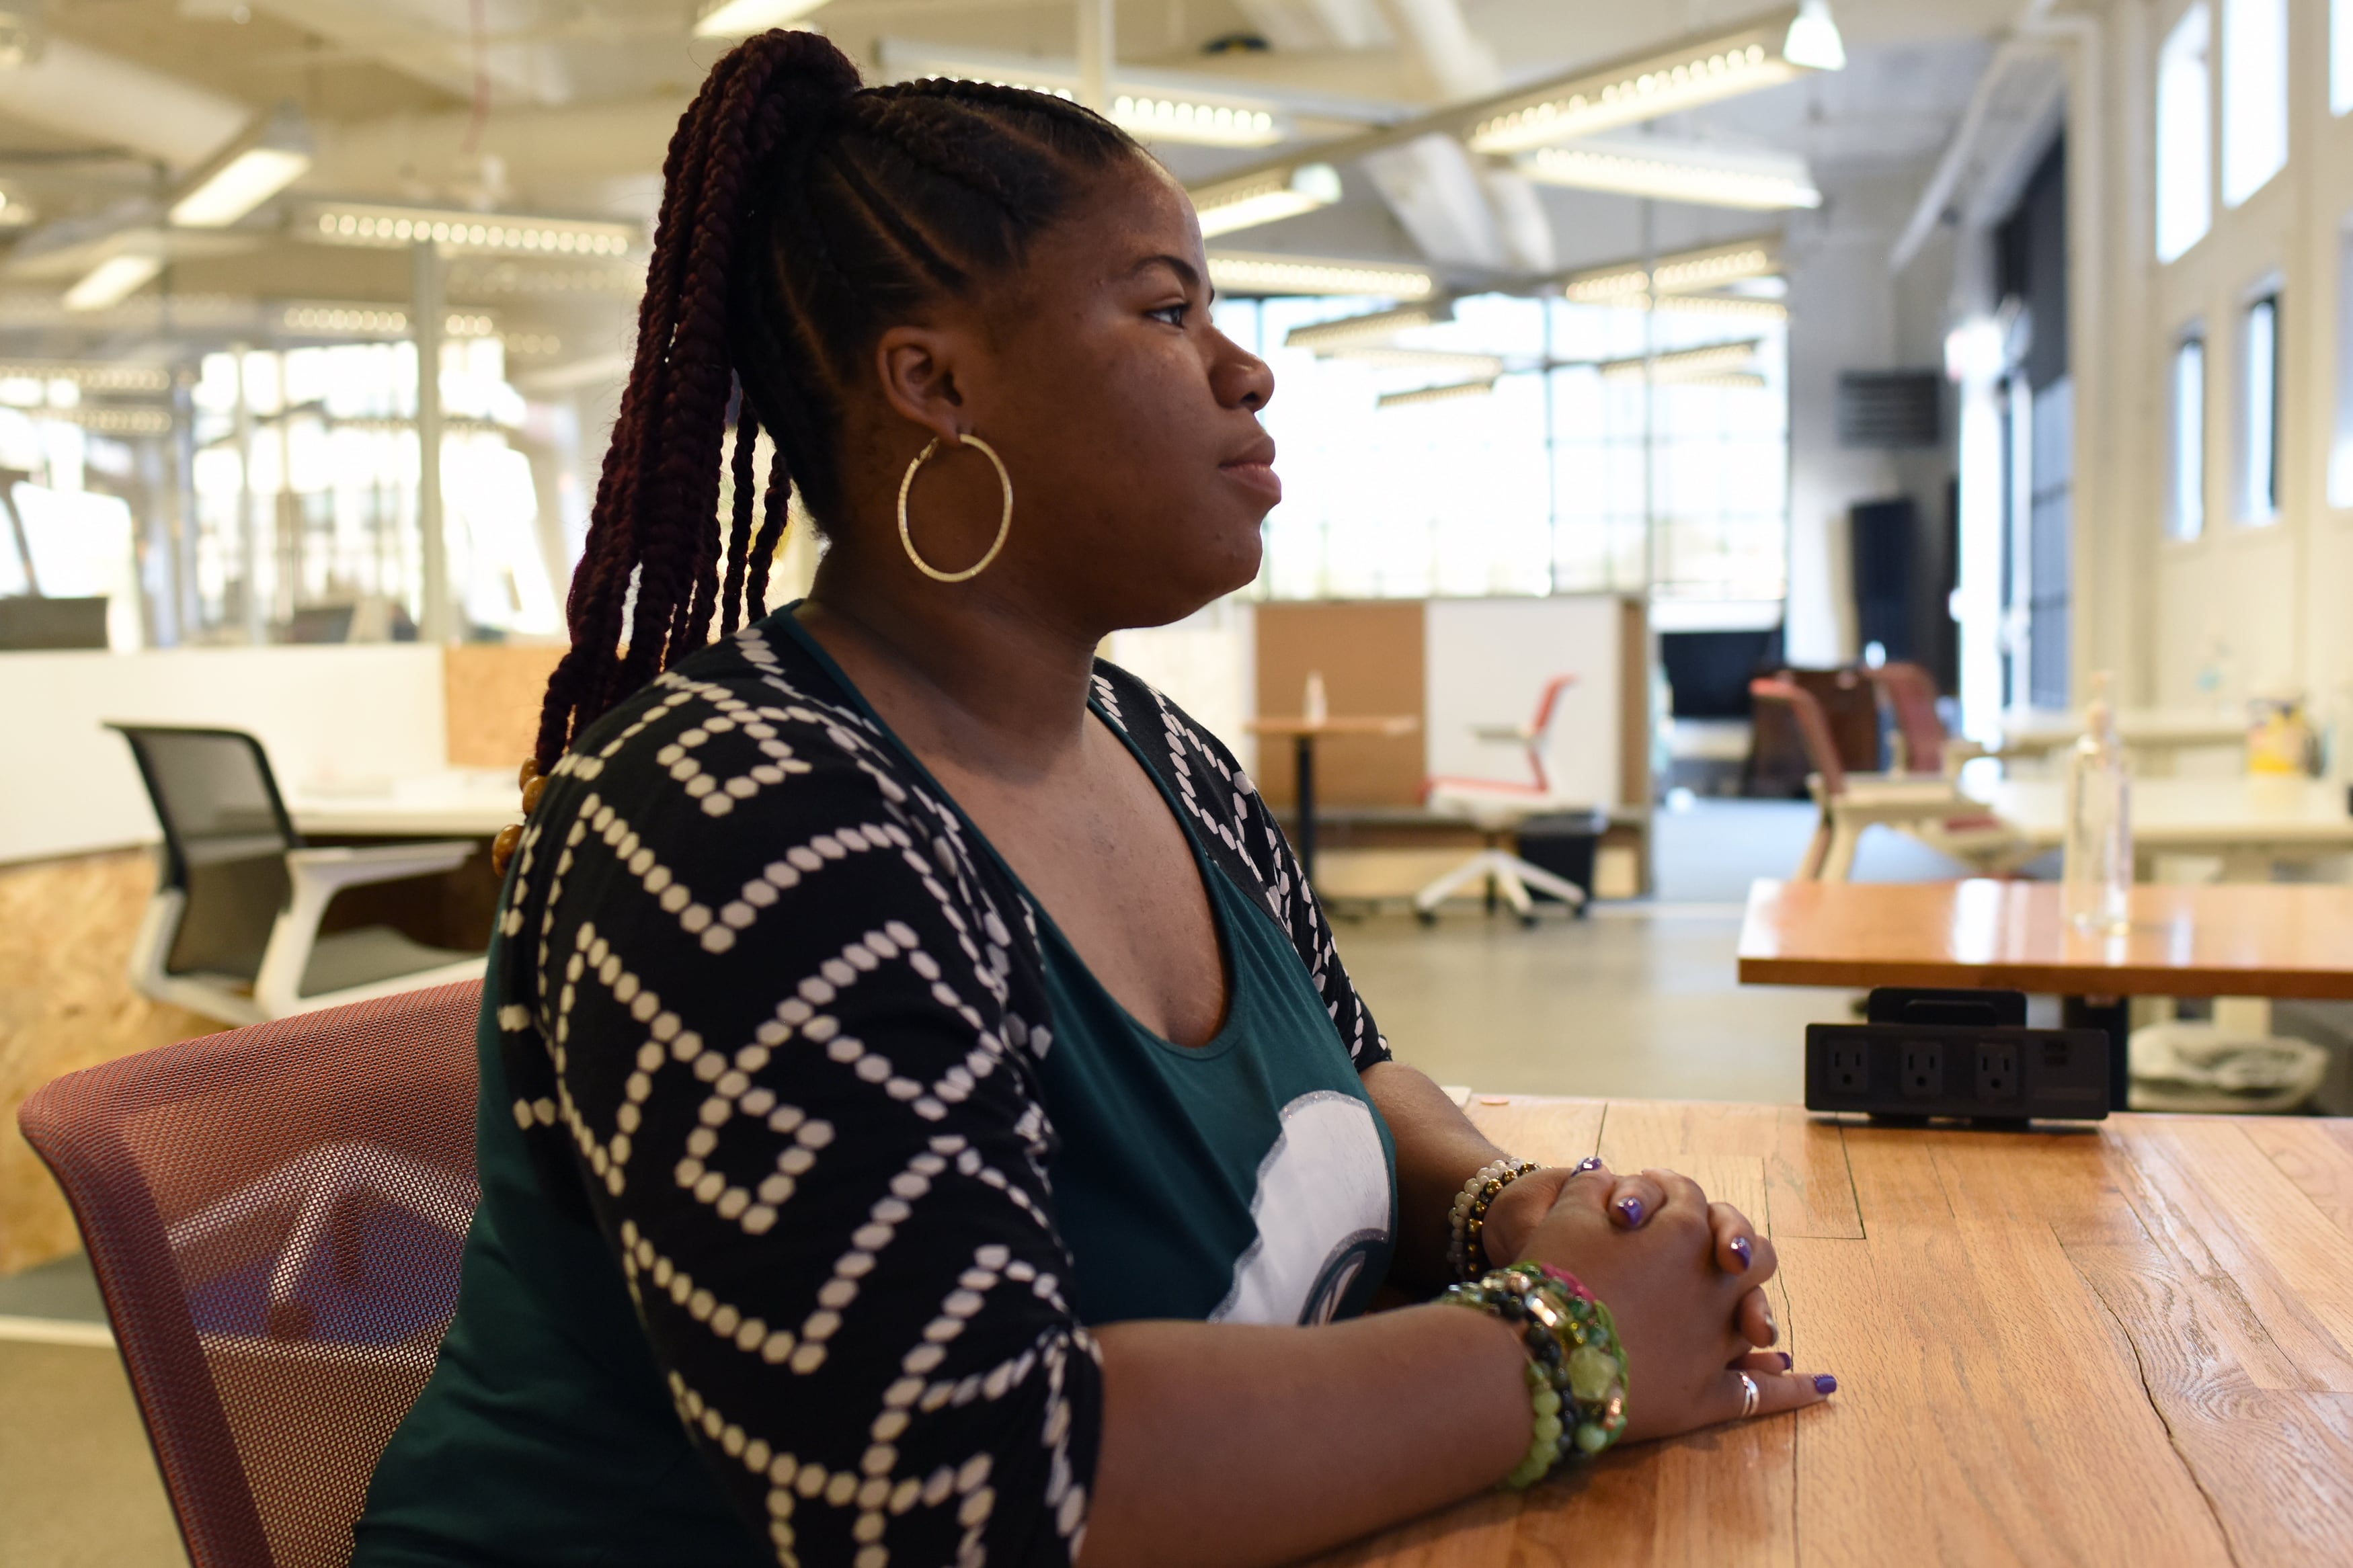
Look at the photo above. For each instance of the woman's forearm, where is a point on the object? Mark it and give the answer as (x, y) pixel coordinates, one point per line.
(1230, 1444)
(1436, 1151)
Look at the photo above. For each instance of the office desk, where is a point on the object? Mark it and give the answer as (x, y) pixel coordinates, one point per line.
(458, 803)
(1303, 733)
(2129, 1344)
(2153, 731)
(2249, 821)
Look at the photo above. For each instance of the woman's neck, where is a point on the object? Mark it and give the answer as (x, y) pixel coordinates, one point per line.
(964, 668)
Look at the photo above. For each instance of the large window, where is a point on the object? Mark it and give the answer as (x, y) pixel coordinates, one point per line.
(1545, 481)
(2188, 519)
(2254, 95)
(2185, 135)
(2259, 356)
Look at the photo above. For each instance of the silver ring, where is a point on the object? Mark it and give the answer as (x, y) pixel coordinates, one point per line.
(1747, 1395)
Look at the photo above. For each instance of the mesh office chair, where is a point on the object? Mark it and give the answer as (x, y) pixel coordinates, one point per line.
(233, 929)
(1497, 807)
(276, 1216)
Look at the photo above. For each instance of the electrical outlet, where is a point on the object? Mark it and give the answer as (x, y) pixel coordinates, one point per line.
(1997, 1079)
(1924, 1069)
(1850, 1070)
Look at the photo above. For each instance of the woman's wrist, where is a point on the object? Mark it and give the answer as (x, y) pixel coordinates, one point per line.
(1513, 1213)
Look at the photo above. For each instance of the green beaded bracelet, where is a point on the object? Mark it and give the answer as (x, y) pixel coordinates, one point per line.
(1577, 1372)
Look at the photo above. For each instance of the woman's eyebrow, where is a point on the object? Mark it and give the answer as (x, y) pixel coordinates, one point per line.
(1184, 269)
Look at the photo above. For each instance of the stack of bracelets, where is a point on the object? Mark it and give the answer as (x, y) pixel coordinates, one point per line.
(1467, 1251)
(1577, 1372)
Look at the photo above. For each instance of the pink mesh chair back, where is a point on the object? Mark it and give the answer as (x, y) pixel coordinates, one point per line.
(1912, 693)
(1813, 728)
(275, 1216)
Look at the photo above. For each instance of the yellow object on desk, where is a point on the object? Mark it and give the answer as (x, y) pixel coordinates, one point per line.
(2122, 1345)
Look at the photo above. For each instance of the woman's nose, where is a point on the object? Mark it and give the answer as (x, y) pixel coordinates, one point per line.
(1241, 379)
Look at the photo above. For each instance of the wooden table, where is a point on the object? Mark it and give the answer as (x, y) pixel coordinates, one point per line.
(1304, 733)
(458, 803)
(2249, 821)
(2035, 733)
(2129, 1344)
(2272, 940)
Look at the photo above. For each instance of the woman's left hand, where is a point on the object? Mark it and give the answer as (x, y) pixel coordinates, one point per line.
(1632, 1200)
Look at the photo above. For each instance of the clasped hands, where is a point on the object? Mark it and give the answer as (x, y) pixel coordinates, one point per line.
(1684, 1278)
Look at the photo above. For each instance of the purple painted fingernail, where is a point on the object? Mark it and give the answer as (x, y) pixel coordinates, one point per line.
(1825, 1383)
(1740, 1250)
(1591, 1162)
(1785, 1363)
(1633, 1209)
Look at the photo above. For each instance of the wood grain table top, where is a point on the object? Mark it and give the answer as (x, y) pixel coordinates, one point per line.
(2263, 938)
(1386, 725)
(2192, 814)
(2128, 1344)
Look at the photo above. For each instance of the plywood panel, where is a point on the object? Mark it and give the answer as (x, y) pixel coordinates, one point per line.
(66, 1002)
(492, 693)
(1371, 659)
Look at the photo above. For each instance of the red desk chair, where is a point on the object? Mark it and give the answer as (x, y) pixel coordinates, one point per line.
(1929, 807)
(1497, 807)
(1923, 745)
(275, 1216)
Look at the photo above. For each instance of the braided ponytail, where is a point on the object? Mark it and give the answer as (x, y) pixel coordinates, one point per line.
(801, 215)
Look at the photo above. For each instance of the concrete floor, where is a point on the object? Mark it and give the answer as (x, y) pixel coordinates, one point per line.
(1637, 1000)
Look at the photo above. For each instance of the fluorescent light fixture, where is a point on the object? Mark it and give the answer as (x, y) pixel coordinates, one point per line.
(113, 281)
(269, 156)
(1373, 327)
(387, 227)
(115, 421)
(1676, 172)
(742, 18)
(1482, 366)
(91, 377)
(1683, 364)
(329, 321)
(1265, 197)
(1239, 274)
(1704, 68)
(1680, 272)
(1739, 307)
(1205, 125)
(1446, 394)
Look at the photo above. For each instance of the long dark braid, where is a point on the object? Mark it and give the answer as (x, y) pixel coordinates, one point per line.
(801, 214)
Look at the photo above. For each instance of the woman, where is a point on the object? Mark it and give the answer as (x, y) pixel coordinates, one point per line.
(924, 1117)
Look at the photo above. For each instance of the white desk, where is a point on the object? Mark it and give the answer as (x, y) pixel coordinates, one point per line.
(2037, 732)
(461, 803)
(2251, 822)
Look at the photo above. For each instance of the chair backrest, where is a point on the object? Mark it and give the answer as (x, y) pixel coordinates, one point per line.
(225, 834)
(275, 1215)
(1912, 693)
(1540, 727)
(1813, 728)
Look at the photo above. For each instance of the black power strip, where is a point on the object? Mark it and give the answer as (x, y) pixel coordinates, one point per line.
(1997, 1073)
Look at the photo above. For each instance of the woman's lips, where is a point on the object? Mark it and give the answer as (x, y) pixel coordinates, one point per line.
(1260, 477)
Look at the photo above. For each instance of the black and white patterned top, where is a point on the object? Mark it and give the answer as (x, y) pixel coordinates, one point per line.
(770, 1005)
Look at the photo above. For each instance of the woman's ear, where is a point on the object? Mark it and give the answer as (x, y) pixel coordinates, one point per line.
(918, 366)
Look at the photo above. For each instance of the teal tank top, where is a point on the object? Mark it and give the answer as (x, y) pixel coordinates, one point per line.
(1247, 1180)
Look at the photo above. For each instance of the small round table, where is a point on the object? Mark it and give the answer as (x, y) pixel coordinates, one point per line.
(1304, 733)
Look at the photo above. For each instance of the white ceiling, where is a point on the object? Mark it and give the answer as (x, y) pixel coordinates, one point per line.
(577, 99)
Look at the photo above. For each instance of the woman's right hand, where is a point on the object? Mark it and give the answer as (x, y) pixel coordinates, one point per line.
(1680, 1315)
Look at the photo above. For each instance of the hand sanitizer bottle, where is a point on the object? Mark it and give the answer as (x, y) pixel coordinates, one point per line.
(2098, 875)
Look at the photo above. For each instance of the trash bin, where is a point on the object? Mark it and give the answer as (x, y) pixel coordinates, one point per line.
(1563, 842)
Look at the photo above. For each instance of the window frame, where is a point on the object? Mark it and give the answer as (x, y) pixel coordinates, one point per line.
(2248, 87)
(2189, 43)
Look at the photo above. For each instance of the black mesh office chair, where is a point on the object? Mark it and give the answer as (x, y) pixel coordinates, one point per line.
(233, 929)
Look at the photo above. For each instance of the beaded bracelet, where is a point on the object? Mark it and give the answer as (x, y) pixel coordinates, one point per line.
(1465, 1251)
(1577, 1372)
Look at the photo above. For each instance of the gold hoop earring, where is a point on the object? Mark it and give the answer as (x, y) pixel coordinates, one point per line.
(1003, 522)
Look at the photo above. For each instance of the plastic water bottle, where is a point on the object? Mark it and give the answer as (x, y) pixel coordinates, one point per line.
(2098, 875)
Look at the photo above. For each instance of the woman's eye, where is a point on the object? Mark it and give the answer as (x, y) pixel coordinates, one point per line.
(1172, 314)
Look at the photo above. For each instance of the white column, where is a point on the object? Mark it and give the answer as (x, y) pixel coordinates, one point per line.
(434, 621)
(249, 527)
(1097, 51)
